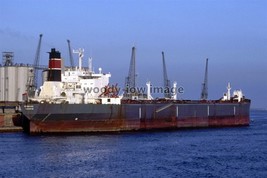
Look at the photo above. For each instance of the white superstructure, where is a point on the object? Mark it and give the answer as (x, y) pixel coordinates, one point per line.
(79, 85)
(237, 94)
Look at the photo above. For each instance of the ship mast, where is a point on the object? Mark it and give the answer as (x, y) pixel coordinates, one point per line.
(80, 52)
(204, 92)
(90, 66)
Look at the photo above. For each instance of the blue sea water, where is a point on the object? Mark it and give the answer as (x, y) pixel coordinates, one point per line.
(216, 152)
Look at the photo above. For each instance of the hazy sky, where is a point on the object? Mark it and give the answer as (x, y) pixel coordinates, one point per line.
(231, 33)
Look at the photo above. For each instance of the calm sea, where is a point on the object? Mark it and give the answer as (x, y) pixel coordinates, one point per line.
(217, 152)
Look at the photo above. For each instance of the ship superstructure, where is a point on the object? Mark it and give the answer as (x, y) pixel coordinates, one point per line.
(75, 85)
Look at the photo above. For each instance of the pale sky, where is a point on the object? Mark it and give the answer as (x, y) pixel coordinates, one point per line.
(231, 33)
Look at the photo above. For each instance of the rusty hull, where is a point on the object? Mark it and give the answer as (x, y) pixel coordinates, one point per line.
(74, 118)
(119, 125)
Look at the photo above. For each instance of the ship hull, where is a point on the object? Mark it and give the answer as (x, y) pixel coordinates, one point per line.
(76, 118)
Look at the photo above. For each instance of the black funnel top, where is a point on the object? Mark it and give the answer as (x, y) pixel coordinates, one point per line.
(54, 54)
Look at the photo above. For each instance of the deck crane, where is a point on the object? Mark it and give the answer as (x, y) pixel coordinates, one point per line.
(36, 61)
(130, 81)
(33, 78)
(204, 92)
(70, 54)
(167, 88)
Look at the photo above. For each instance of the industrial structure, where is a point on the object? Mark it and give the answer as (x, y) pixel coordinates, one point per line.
(17, 79)
(13, 78)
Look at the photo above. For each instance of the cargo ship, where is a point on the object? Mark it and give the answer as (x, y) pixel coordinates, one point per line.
(77, 100)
